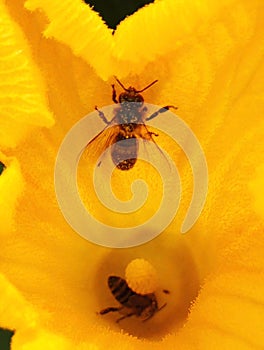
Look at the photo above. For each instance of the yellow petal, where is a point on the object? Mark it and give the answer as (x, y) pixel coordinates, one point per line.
(23, 103)
(161, 27)
(15, 311)
(229, 311)
(75, 23)
(11, 187)
(39, 339)
(257, 186)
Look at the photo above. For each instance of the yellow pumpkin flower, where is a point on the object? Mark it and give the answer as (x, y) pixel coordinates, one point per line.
(58, 59)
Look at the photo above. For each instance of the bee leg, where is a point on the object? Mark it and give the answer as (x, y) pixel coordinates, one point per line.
(114, 94)
(110, 309)
(162, 307)
(152, 133)
(102, 116)
(150, 316)
(161, 110)
(125, 316)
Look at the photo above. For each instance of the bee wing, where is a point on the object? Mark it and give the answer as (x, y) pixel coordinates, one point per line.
(100, 142)
(147, 136)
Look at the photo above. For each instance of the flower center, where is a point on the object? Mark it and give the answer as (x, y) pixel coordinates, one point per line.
(178, 287)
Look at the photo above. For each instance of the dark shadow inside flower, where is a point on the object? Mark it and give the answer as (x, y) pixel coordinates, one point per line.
(2, 167)
(5, 338)
(177, 273)
(115, 11)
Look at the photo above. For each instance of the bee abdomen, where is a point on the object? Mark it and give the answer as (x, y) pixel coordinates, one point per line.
(120, 289)
(124, 154)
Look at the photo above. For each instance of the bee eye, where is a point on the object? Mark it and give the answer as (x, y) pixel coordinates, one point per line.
(139, 99)
(123, 97)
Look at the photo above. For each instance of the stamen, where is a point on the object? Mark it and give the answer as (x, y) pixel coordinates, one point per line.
(141, 276)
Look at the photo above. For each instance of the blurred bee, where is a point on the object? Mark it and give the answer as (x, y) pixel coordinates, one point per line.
(127, 124)
(144, 306)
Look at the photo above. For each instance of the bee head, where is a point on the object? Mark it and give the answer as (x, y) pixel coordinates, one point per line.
(131, 94)
(150, 310)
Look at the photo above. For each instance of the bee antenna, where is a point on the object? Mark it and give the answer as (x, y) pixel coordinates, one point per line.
(119, 82)
(162, 307)
(145, 88)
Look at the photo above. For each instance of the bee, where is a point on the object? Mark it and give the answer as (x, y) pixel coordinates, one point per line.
(127, 124)
(144, 306)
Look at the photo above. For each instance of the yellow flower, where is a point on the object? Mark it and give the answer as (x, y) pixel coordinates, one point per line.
(208, 58)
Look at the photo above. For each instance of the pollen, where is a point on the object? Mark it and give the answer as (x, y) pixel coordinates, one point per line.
(141, 276)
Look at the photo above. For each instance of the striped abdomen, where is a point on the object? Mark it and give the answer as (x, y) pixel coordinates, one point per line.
(125, 151)
(120, 290)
